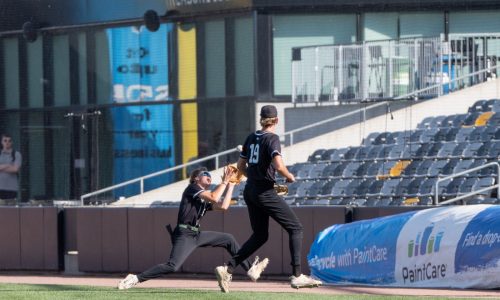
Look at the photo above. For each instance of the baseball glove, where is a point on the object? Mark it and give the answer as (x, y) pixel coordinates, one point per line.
(236, 176)
(281, 189)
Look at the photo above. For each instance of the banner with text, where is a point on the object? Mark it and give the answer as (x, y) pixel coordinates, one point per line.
(143, 135)
(457, 247)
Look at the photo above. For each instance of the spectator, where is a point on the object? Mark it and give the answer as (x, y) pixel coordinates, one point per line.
(10, 164)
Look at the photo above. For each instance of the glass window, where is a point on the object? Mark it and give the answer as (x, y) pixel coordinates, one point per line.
(102, 68)
(244, 60)
(474, 22)
(421, 24)
(61, 70)
(380, 26)
(82, 67)
(36, 81)
(11, 72)
(291, 31)
(215, 59)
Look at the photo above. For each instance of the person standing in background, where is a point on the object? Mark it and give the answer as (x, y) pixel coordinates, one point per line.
(10, 165)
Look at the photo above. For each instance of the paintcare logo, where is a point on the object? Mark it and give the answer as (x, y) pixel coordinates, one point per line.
(424, 243)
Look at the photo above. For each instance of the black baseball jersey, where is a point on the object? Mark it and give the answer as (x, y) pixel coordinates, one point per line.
(192, 207)
(259, 149)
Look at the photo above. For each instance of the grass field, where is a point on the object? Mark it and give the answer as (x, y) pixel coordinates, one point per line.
(55, 292)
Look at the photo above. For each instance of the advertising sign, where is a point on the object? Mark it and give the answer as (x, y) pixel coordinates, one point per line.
(143, 135)
(447, 247)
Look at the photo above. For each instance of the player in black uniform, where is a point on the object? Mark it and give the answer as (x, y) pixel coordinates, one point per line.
(187, 236)
(259, 159)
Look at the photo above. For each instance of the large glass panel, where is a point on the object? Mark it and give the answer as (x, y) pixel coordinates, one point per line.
(102, 68)
(421, 24)
(475, 22)
(34, 160)
(82, 67)
(36, 80)
(244, 59)
(380, 26)
(291, 31)
(215, 59)
(11, 72)
(61, 70)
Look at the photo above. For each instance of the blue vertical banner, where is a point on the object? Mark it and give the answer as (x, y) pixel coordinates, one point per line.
(143, 135)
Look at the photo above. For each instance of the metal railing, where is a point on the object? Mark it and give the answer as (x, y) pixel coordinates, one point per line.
(143, 178)
(467, 195)
(381, 70)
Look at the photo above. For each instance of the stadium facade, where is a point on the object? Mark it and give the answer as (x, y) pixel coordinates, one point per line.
(92, 97)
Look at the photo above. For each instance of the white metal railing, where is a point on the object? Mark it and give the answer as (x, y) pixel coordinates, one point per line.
(382, 70)
(141, 179)
(497, 186)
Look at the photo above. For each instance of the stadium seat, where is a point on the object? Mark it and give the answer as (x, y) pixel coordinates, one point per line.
(452, 133)
(494, 105)
(476, 134)
(338, 190)
(471, 150)
(463, 134)
(446, 150)
(302, 171)
(434, 169)
(351, 153)
(427, 135)
(326, 190)
(384, 138)
(338, 155)
(433, 151)
(479, 106)
(450, 165)
(483, 118)
(373, 168)
(411, 169)
(470, 120)
(350, 169)
(401, 137)
(389, 187)
(317, 170)
(316, 156)
(329, 170)
(463, 165)
(424, 169)
(370, 138)
(488, 133)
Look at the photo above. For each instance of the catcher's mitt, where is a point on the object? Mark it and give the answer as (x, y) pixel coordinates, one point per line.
(237, 176)
(281, 189)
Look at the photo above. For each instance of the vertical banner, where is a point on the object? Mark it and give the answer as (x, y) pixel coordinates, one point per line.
(143, 135)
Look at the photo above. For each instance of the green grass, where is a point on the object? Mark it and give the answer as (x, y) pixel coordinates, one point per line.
(55, 292)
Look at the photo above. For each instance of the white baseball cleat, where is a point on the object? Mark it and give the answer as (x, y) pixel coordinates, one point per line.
(257, 268)
(304, 281)
(128, 282)
(223, 278)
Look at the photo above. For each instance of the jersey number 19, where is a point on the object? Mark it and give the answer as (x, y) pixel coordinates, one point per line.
(254, 153)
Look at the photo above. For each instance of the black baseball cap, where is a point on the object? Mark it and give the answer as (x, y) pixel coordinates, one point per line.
(268, 111)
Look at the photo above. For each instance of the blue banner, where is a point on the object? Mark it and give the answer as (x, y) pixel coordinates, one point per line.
(445, 247)
(143, 135)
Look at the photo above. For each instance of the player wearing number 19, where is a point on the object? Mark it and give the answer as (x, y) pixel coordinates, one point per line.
(259, 160)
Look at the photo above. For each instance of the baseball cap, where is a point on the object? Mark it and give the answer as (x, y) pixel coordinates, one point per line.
(268, 111)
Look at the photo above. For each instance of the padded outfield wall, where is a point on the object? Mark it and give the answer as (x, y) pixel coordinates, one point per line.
(120, 240)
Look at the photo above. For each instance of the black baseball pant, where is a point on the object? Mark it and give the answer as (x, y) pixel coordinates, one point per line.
(263, 202)
(185, 241)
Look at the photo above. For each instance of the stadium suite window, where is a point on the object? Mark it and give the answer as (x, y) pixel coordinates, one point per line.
(291, 31)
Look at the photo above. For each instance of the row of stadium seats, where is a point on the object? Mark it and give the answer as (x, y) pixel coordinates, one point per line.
(401, 168)
(392, 191)
(430, 150)
(391, 168)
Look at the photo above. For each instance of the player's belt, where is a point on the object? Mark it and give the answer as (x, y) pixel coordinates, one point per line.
(186, 226)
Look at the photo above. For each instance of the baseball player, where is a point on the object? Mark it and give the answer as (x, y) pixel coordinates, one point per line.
(259, 159)
(187, 236)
